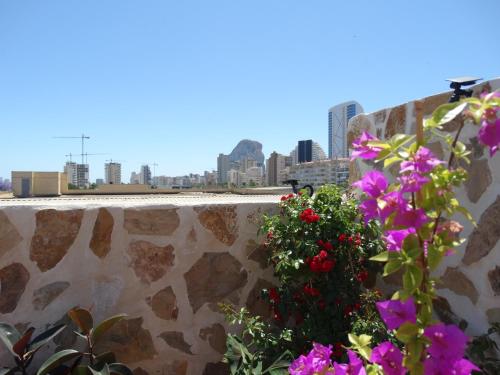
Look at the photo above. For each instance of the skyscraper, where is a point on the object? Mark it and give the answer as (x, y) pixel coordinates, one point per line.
(338, 118)
(113, 173)
(275, 164)
(222, 168)
(145, 175)
(70, 170)
(82, 175)
(305, 151)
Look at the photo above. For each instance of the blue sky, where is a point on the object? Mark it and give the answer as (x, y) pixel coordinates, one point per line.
(177, 82)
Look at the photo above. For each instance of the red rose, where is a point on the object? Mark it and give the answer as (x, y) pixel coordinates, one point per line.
(321, 304)
(328, 246)
(362, 276)
(274, 295)
(342, 237)
(311, 291)
(327, 265)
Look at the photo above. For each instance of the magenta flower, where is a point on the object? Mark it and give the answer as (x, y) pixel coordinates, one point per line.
(412, 182)
(423, 161)
(410, 218)
(489, 134)
(391, 202)
(317, 361)
(369, 208)
(395, 312)
(362, 149)
(354, 367)
(462, 366)
(389, 357)
(373, 184)
(448, 342)
(394, 238)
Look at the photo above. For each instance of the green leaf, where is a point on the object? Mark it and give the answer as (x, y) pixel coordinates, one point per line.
(103, 371)
(389, 161)
(412, 278)
(107, 357)
(381, 257)
(45, 337)
(20, 346)
(104, 326)
(57, 359)
(9, 336)
(119, 369)
(82, 318)
(8, 371)
(406, 332)
(444, 114)
(361, 344)
(392, 266)
(81, 370)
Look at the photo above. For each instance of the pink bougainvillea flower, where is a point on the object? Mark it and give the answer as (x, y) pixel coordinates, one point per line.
(317, 361)
(389, 357)
(412, 182)
(423, 161)
(354, 367)
(362, 149)
(389, 203)
(373, 184)
(489, 134)
(433, 366)
(396, 312)
(448, 342)
(369, 208)
(410, 218)
(394, 238)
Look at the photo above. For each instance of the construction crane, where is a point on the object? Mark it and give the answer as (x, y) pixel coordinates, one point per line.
(85, 155)
(83, 137)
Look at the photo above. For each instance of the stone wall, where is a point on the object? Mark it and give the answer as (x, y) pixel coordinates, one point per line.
(166, 262)
(470, 281)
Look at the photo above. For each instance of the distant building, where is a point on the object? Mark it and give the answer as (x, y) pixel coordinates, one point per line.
(70, 170)
(247, 163)
(145, 175)
(321, 172)
(223, 166)
(275, 164)
(113, 173)
(317, 152)
(134, 178)
(210, 178)
(305, 151)
(82, 175)
(234, 177)
(338, 118)
(99, 181)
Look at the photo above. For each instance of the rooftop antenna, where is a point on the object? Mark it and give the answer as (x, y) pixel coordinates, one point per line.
(83, 137)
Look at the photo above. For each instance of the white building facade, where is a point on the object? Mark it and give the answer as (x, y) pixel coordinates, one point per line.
(321, 172)
(112, 173)
(338, 118)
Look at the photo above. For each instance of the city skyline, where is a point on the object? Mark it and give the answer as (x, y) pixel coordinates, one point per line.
(177, 84)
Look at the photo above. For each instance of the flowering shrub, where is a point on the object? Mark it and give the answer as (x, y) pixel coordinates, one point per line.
(319, 250)
(415, 213)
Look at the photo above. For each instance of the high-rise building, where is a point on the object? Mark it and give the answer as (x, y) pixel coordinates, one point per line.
(82, 175)
(275, 164)
(222, 168)
(113, 173)
(305, 151)
(134, 178)
(70, 170)
(145, 175)
(317, 153)
(338, 118)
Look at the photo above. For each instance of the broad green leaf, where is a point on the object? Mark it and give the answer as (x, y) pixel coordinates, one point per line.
(392, 266)
(20, 346)
(406, 332)
(414, 348)
(444, 114)
(57, 359)
(103, 371)
(104, 326)
(9, 336)
(81, 370)
(381, 257)
(412, 278)
(107, 357)
(119, 369)
(82, 318)
(389, 161)
(45, 337)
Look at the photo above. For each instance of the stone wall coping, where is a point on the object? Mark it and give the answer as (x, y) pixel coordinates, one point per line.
(125, 201)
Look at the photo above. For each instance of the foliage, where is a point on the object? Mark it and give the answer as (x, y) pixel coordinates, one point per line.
(415, 213)
(484, 352)
(319, 251)
(23, 348)
(257, 349)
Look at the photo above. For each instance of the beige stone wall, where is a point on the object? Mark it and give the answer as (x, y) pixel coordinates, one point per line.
(164, 264)
(470, 280)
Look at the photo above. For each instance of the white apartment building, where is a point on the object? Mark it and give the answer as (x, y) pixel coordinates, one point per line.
(70, 170)
(338, 118)
(321, 172)
(112, 173)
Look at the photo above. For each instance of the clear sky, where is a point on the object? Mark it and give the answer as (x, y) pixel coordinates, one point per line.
(177, 82)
